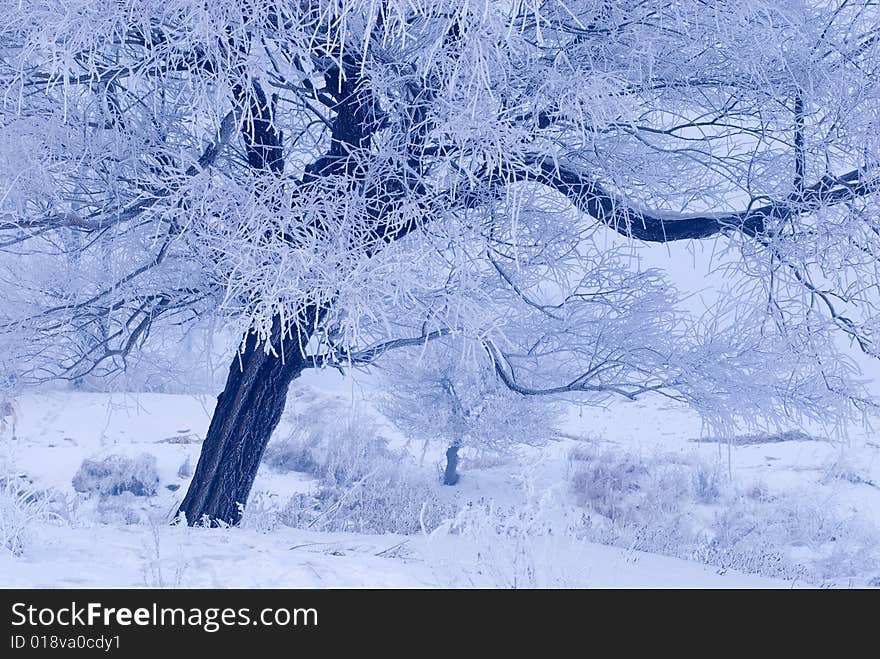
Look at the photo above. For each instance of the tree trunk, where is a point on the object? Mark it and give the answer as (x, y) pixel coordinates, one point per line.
(450, 476)
(252, 402)
(247, 412)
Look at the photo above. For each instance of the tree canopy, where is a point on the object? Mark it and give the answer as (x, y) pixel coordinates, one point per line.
(337, 178)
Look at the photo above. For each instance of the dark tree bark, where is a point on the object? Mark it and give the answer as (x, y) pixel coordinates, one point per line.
(450, 475)
(247, 413)
(253, 398)
(251, 404)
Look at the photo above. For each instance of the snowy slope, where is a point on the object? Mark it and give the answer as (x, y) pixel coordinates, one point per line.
(175, 557)
(87, 545)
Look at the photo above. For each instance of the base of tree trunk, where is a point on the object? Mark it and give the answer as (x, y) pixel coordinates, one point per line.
(450, 475)
(247, 413)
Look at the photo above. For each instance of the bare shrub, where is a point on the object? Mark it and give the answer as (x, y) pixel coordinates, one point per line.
(683, 507)
(620, 485)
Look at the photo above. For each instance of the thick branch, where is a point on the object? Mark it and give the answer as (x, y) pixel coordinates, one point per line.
(369, 355)
(579, 385)
(591, 198)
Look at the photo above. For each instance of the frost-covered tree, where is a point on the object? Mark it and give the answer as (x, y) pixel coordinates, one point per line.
(448, 395)
(335, 178)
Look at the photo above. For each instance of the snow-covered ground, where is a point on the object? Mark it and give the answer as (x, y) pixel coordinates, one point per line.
(596, 507)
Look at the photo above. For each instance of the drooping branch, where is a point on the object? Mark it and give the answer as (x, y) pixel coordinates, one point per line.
(581, 384)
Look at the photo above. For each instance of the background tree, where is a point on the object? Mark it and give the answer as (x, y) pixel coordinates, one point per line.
(445, 395)
(336, 178)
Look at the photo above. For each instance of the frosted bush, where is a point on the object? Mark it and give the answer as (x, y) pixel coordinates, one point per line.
(683, 507)
(843, 467)
(810, 535)
(19, 509)
(23, 507)
(116, 474)
(477, 460)
(362, 485)
(262, 514)
(338, 444)
(393, 504)
(119, 510)
(621, 486)
(533, 545)
(289, 454)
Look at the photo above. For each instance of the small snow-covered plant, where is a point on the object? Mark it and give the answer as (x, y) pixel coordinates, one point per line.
(843, 467)
(397, 501)
(290, 453)
(116, 474)
(23, 507)
(263, 514)
(160, 567)
(798, 533)
(123, 509)
(185, 470)
(634, 489)
(533, 544)
(450, 395)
